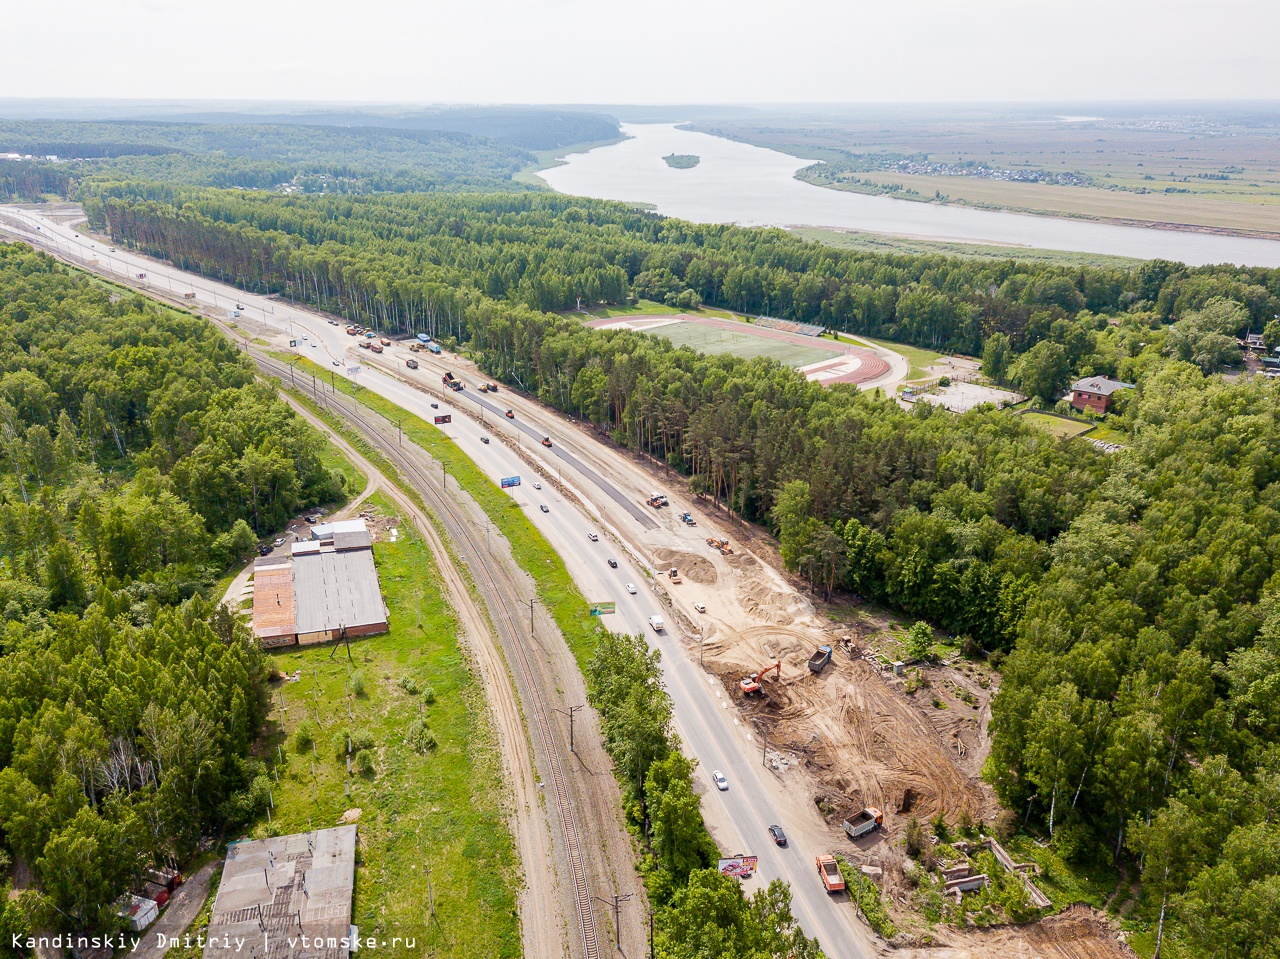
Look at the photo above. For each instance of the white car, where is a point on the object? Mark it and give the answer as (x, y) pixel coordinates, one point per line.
(631, 588)
(537, 486)
(314, 344)
(722, 784)
(593, 537)
(699, 607)
(279, 542)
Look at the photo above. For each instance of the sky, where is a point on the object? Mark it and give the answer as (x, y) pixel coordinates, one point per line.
(653, 51)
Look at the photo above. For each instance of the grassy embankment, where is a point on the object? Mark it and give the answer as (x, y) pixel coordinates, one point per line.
(531, 551)
(878, 243)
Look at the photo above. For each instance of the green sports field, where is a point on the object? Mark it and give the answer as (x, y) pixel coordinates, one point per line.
(707, 339)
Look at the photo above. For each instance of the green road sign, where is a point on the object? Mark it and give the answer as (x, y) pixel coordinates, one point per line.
(600, 609)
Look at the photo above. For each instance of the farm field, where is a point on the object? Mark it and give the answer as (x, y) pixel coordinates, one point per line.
(441, 809)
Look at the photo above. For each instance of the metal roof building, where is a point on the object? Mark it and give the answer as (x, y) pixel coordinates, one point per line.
(286, 898)
(327, 588)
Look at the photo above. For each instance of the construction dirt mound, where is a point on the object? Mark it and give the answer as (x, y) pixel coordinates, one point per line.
(696, 568)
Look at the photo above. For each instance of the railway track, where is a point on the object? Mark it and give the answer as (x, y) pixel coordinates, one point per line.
(468, 545)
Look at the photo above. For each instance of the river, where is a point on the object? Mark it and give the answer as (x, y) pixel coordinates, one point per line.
(752, 186)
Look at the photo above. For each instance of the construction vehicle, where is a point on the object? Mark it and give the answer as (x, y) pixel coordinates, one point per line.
(657, 500)
(433, 347)
(484, 387)
(720, 544)
(818, 661)
(376, 347)
(687, 518)
(351, 331)
(674, 575)
(866, 821)
(493, 387)
(188, 296)
(384, 341)
(751, 684)
(423, 338)
(364, 344)
(829, 873)
(452, 382)
(546, 441)
(411, 363)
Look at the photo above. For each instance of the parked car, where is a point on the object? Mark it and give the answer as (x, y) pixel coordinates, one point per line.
(279, 542)
(264, 550)
(631, 588)
(543, 507)
(722, 784)
(779, 837)
(613, 564)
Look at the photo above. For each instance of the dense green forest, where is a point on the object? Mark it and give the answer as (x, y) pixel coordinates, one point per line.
(309, 159)
(1136, 596)
(137, 459)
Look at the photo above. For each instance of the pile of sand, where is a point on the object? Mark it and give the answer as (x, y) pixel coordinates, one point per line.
(696, 568)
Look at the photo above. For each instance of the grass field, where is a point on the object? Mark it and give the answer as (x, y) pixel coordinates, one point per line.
(654, 308)
(706, 339)
(880, 243)
(1056, 425)
(918, 357)
(442, 810)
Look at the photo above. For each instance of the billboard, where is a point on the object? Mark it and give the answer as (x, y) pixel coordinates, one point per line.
(602, 609)
(510, 481)
(447, 418)
(740, 867)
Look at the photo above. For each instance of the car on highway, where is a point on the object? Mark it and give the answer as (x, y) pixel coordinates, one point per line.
(484, 440)
(304, 336)
(699, 607)
(613, 564)
(543, 507)
(335, 362)
(593, 537)
(314, 344)
(722, 784)
(435, 406)
(511, 415)
(631, 588)
(779, 837)
(113, 249)
(537, 486)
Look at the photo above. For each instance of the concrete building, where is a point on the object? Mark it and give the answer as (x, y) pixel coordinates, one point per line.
(325, 589)
(1095, 392)
(286, 898)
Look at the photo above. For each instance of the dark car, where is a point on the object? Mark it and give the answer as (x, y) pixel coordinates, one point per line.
(543, 507)
(613, 564)
(264, 550)
(779, 837)
(435, 406)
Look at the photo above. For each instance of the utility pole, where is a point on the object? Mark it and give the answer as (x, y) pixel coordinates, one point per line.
(617, 907)
(764, 751)
(531, 620)
(569, 712)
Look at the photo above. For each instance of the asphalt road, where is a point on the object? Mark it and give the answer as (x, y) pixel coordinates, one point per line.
(703, 717)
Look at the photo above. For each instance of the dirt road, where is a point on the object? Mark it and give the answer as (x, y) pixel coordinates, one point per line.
(188, 899)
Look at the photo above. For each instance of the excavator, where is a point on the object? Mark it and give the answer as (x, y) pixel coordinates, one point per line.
(751, 684)
(721, 544)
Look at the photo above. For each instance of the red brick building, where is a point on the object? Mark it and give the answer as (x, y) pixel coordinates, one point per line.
(1094, 393)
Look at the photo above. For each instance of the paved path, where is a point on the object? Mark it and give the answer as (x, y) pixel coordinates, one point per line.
(188, 899)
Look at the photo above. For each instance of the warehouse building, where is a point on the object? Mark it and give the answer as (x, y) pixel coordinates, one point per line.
(325, 589)
(288, 897)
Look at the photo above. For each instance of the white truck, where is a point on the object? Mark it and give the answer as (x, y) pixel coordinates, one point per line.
(657, 623)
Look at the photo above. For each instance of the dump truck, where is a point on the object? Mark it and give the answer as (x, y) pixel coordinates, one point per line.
(451, 381)
(829, 873)
(674, 575)
(866, 821)
(484, 387)
(750, 685)
(493, 387)
(376, 347)
(818, 661)
(434, 347)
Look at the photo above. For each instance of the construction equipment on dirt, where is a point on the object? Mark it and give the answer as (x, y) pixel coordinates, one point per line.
(657, 500)
(674, 575)
(829, 873)
(451, 382)
(720, 544)
(818, 661)
(866, 821)
(751, 685)
(687, 518)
